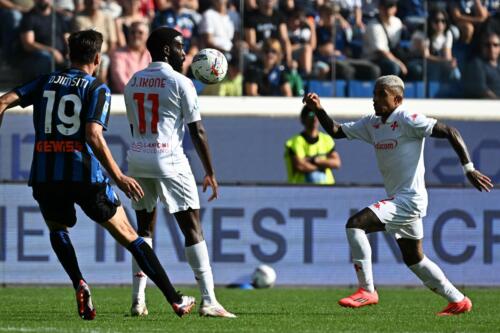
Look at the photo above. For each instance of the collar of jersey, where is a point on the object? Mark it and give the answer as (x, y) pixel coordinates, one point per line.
(160, 64)
(393, 114)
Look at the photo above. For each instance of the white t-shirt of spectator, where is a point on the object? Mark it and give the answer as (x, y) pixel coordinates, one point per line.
(399, 148)
(375, 38)
(220, 27)
(438, 43)
(159, 101)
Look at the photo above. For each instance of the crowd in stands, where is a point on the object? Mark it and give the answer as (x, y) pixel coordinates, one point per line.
(274, 48)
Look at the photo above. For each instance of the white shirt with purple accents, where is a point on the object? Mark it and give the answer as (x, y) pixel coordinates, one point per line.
(399, 147)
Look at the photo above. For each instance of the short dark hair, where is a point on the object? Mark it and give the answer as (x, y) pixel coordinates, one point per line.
(84, 45)
(306, 112)
(158, 39)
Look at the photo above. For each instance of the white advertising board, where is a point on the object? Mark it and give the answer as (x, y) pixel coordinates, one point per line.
(297, 230)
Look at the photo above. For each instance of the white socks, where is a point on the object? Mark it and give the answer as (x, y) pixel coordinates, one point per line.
(433, 278)
(139, 279)
(197, 256)
(361, 252)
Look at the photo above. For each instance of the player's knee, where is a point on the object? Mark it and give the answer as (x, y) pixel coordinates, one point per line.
(411, 259)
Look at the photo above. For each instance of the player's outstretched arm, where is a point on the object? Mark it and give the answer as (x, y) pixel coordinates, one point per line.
(7, 100)
(199, 137)
(94, 137)
(329, 125)
(476, 178)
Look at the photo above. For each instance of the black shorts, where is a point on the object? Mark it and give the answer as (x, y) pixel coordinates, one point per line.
(57, 201)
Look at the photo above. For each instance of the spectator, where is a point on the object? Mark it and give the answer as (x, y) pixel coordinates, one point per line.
(216, 28)
(382, 38)
(467, 15)
(11, 14)
(482, 74)
(232, 85)
(266, 22)
(130, 59)
(436, 48)
(302, 36)
(177, 15)
(131, 13)
(93, 18)
(36, 40)
(352, 11)
(333, 51)
(267, 77)
(310, 155)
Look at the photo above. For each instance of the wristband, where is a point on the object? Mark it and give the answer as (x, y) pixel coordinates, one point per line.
(469, 167)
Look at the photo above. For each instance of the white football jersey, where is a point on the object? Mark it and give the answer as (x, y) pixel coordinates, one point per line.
(159, 102)
(399, 147)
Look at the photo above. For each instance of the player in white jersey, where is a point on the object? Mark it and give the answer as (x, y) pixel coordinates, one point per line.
(398, 137)
(160, 101)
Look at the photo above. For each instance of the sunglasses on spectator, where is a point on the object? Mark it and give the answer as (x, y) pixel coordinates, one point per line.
(491, 44)
(271, 51)
(438, 20)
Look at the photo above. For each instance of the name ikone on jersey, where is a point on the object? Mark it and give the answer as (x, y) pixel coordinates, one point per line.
(148, 82)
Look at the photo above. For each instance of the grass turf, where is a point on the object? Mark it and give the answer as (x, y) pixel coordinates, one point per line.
(53, 309)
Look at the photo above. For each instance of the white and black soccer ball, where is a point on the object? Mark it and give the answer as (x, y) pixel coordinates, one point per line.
(209, 66)
(264, 276)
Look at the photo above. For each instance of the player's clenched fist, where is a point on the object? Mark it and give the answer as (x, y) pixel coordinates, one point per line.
(312, 101)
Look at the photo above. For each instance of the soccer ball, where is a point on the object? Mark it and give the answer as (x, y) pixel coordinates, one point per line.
(209, 66)
(264, 277)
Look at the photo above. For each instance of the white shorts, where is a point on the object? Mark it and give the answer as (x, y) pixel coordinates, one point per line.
(397, 219)
(178, 193)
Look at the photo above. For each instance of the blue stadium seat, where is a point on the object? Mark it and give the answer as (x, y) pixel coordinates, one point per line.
(360, 88)
(328, 88)
(414, 89)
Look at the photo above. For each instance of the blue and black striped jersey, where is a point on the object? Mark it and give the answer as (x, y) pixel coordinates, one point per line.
(63, 103)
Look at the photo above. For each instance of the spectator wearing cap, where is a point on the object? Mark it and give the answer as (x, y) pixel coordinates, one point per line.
(130, 59)
(267, 77)
(382, 39)
(482, 74)
(310, 155)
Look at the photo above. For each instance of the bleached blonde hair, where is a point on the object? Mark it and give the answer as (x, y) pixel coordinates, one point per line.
(392, 82)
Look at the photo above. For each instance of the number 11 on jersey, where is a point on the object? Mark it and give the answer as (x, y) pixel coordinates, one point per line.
(140, 98)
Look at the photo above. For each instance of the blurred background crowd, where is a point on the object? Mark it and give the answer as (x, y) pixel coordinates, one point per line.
(274, 47)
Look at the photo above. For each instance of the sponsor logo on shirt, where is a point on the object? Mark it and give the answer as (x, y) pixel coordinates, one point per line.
(386, 144)
(53, 146)
(150, 147)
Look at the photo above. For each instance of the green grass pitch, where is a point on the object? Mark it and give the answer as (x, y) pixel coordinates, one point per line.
(53, 309)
